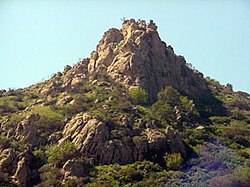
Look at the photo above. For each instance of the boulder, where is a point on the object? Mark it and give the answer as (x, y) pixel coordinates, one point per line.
(93, 138)
(64, 100)
(76, 168)
(156, 139)
(176, 144)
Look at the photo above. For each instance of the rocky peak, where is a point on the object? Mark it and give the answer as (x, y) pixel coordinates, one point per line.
(136, 56)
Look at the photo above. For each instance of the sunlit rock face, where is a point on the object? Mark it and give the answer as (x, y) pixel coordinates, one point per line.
(136, 56)
(133, 56)
(92, 137)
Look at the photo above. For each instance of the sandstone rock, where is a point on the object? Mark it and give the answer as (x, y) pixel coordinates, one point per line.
(88, 135)
(40, 101)
(94, 82)
(92, 138)
(132, 56)
(72, 102)
(116, 151)
(200, 127)
(141, 148)
(54, 138)
(76, 81)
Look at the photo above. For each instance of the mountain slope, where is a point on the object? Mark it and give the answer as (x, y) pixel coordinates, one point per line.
(133, 105)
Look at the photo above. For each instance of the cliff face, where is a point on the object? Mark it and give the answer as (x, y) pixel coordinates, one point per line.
(136, 56)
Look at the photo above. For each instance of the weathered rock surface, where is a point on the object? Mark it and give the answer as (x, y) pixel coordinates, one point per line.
(132, 56)
(176, 144)
(7, 157)
(26, 131)
(17, 165)
(69, 79)
(64, 100)
(93, 138)
(75, 168)
(22, 173)
(156, 139)
(136, 56)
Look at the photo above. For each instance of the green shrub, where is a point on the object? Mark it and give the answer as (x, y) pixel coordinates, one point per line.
(173, 161)
(49, 176)
(40, 156)
(58, 154)
(137, 174)
(138, 96)
(220, 120)
(172, 107)
(50, 120)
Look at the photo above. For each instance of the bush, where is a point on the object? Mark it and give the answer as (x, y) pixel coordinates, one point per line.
(50, 120)
(49, 176)
(138, 96)
(135, 174)
(172, 107)
(59, 154)
(220, 120)
(173, 161)
(40, 157)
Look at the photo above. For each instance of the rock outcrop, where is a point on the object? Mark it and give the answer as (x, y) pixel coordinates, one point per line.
(19, 166)
(136, 56)
(22, 173)
(74, 168)
(69, 79)
(132, 56)
(175, 142)
(7, 157)
(93, 138)
(27, 130)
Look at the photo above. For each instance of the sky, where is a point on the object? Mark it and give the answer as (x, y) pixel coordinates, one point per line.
(38, 38)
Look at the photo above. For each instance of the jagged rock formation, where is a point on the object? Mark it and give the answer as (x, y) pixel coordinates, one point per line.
(136, 56)
(19, 166)
(133, 56)
(25, 131)
(93, 138)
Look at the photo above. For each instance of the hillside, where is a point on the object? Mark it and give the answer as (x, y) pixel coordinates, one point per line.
(132, 114)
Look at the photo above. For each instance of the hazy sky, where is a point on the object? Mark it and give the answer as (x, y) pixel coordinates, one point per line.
(37, 38)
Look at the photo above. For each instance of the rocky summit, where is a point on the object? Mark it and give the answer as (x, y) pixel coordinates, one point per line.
(132, 114)
(134, 56)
